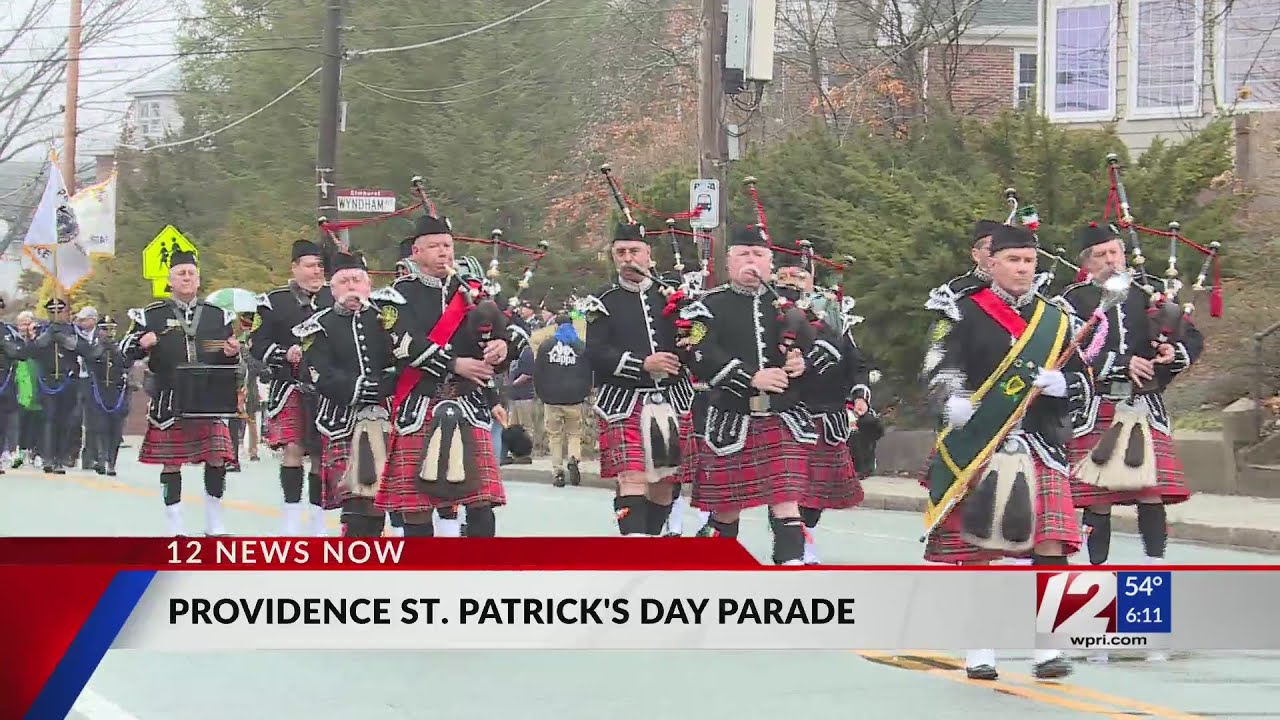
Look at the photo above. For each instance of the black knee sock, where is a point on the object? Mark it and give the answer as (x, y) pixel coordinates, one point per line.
(215, 481)
(396, 519)
(448, 513)
(723, 529)
(655, 517)
(172, 482)
(630, 511)
(481, 522)
(291, 484)
(788, 540)
(1099, 542)
(425, 529)
(1153, 526)
(811, 516)
(362, 526)
(1038, 559)
(314, 492)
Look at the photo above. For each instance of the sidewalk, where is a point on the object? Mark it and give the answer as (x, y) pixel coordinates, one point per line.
(1234, 520)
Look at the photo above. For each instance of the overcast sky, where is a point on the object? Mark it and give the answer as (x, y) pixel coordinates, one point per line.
(108, 70)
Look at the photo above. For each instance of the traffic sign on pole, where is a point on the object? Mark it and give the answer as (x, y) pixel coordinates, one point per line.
(704, 196)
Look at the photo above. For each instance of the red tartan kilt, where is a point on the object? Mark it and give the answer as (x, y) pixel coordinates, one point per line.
(772, 468)
(833, 485)
(1171, 485)
(399, 492)
(187, 442)
(335, 455)
(622, 447)
(1055, 520)
(288, 425)
(688, 452)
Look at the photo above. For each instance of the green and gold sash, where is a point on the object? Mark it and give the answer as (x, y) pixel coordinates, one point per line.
(1001, 400)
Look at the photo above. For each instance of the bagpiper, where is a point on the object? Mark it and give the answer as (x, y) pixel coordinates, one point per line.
(642, 388)
(108, 397)
(347, 353)
(441, 452)
(290, 407)
(833, 480)
(944, 297)
(56, 352)
(180, 330)
(1128, 416)
(994, 346)
(757, 435)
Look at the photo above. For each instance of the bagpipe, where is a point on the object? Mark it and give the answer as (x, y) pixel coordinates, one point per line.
(826, 310)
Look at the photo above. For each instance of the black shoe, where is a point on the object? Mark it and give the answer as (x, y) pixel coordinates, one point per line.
(111, 471)
(462, 530)
(526, 460)
(49, 469)
(982, 672)
(1058, 667)
(17, 463)
(505, 460)
(575, 475)
(670, 533)
(59, 471)
(558, 478)
(100, 469)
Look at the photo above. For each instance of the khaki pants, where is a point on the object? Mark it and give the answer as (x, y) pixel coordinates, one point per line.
(564, 424)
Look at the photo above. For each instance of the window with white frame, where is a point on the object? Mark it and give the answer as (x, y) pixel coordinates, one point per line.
(1165, 44)
(150, 119)
(897, 23)
(1080, 81)
(1024, 89)
(1250, 64)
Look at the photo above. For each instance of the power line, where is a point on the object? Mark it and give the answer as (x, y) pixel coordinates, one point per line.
(196, 18)
(580, 16)
(228, 126)
(449, 38)
(412, 101)
(190, 53)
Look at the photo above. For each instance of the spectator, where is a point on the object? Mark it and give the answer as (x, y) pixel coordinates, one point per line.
(523, 411)
(562, 381)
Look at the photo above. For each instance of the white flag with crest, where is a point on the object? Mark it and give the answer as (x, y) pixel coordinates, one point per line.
(95, 210)
(53, 240)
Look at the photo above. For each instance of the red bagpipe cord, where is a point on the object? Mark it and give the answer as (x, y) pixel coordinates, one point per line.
(1113, 204)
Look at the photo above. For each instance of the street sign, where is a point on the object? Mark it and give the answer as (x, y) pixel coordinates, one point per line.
(160, 288)
(704, 195)
(367, 201)
(156, 256)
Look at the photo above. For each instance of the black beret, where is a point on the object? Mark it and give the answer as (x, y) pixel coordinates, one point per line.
(406, 248)
(624, 231)
(432, 225)
(347, 261)
(303, 248)
(182, 257)
(55, 304)
(785, 260)
(1095, 234)
(1008, 237)
(107, 321)
(984, 228)
(747, 235)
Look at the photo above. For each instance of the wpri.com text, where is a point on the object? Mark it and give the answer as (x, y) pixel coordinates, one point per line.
(1085, 611)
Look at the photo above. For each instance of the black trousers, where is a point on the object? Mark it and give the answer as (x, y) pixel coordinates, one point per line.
(104, 432)
(61, 421)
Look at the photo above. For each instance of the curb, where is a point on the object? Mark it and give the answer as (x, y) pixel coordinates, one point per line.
(1256, 539)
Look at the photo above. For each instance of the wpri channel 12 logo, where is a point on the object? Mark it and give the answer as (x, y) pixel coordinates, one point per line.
(1099, 610)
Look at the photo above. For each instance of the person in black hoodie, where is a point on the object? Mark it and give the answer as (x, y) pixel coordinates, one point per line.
(562, 381)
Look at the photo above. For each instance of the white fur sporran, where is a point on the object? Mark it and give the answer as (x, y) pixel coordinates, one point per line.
(448, 469)
(368, 457)
(1000, 512)
(1125, 457)
(660, 437)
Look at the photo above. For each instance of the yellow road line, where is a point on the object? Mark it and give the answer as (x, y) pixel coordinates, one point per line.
(911, 660)
(1026, 693)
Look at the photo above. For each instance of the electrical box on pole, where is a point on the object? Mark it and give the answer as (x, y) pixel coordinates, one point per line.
(737, 45)
(760, 40)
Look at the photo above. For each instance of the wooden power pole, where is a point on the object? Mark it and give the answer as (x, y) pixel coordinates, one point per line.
(712, 142)
(330, 111)
(73, 100)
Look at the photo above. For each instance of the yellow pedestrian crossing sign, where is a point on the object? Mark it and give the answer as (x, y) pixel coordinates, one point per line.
(156, 256)
(160, 288)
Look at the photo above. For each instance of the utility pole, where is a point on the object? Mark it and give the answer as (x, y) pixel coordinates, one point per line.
(712, 142)
(330, 110)
(73, 100)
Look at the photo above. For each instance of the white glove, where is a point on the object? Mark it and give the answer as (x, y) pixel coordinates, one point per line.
(1052, 383)
(958, 411)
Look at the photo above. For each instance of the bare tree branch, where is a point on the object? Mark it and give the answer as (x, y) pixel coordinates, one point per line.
(36, 66)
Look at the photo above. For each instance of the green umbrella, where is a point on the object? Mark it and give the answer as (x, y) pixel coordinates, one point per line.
(237, 300)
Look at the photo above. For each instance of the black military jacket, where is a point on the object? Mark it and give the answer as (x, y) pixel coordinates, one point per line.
(279, 312)
(184, 334)
(340, 348)
(625, 325)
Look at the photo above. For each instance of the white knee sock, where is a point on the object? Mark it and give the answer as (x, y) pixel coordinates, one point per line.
(173, 517)
(675, 521)
(213, 516)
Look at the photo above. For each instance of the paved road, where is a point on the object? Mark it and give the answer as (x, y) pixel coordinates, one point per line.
(565, 685)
